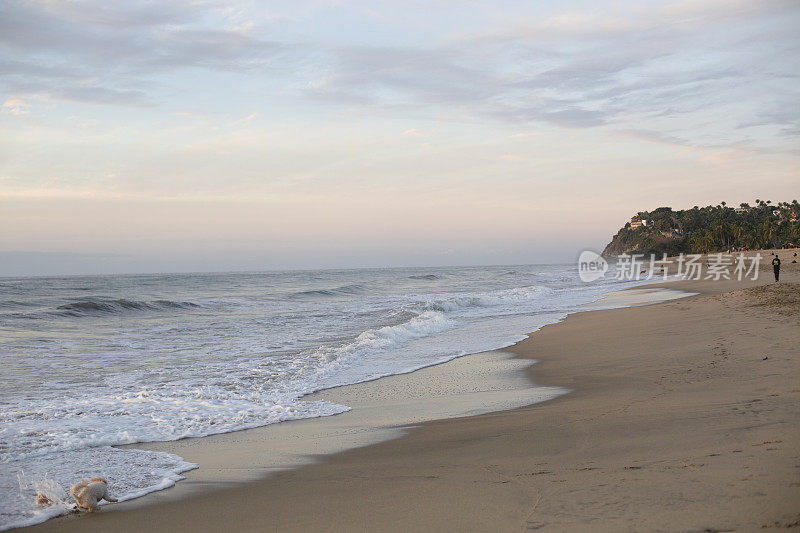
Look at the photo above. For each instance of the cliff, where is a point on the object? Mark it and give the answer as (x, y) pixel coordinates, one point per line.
(709, 229)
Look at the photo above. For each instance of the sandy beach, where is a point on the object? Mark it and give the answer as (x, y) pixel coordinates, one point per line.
(680, 416)
(323, 266)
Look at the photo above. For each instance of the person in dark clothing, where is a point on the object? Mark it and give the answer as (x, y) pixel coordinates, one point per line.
(776, 267)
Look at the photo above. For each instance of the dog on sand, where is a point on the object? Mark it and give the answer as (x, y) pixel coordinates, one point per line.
(88, 494)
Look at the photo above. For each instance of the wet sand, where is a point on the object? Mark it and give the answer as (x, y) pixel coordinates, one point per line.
(682, 416)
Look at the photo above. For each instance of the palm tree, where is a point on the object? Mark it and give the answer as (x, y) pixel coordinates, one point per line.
(708, 240)
(769, 230)
(719, 232)
(696, 241)
(737, 231)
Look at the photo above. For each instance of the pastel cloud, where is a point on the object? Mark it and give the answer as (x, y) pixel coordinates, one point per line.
(15, 106)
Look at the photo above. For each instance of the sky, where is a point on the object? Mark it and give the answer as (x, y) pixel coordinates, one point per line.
(248, 135)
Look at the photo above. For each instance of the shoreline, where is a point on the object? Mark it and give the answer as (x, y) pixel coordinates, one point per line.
(218, 462)
(381, 409)
(206, 469)
(541, 373)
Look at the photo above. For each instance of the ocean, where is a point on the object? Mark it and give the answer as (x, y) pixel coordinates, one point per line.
(89, 362)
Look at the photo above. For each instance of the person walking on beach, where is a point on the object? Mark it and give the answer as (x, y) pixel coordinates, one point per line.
(776, 267)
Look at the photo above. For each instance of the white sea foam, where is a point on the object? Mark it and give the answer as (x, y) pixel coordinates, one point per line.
(130, 473)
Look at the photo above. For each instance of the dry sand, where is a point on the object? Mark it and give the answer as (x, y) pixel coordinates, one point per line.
(683, 416)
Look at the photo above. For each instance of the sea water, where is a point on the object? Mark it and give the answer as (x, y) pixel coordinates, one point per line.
(89, 362)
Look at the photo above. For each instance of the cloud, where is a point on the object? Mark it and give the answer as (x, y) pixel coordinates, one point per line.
(15, 106)
(728, 157)
(93, 51)
(682, 67)
(577, 70)
(390, 76)
(653, 137)
(675, 66)
(245, 120)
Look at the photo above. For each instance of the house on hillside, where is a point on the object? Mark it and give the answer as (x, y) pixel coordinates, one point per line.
(742, 210)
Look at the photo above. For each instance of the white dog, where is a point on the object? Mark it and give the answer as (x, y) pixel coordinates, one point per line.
(88, 493)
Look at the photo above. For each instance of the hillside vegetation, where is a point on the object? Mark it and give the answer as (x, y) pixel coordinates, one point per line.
(709, 229)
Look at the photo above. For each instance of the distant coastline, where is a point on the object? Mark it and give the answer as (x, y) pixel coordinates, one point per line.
(709, 229)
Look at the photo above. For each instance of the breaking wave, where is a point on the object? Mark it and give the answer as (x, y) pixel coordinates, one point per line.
(102, 306)
(429, 277)
(344, 290)
(487, 299)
